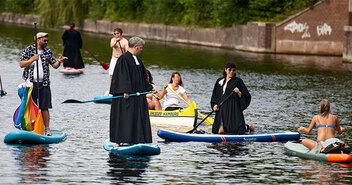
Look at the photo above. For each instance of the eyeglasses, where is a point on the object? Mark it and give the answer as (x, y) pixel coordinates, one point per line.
(232, 69)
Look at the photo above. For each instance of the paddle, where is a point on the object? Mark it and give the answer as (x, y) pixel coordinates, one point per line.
(2, 92)
(157, 97)
(191, 131)
(208, 120)
(105, 66)
(112, 97)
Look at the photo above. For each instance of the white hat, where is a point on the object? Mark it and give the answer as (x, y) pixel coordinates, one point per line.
(41, 35)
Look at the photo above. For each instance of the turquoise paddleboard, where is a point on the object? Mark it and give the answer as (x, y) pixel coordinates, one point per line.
(299, 150)
(27, 137)
(136, 149)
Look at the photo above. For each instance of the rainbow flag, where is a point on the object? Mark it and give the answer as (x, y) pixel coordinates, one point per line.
(27, 116)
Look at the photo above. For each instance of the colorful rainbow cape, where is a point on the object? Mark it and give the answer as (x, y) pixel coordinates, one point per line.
(28, 116)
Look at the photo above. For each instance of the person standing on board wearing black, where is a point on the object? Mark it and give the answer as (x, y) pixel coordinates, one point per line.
(73, 43)
(44, 58)
(229, 118)
(119, 46)
(129, 116)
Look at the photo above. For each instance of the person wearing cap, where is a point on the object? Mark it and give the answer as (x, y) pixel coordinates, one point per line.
(72, 44)
(44, 58)
(229, 118)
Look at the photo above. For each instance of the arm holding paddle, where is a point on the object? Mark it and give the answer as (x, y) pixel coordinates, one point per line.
(26, 63)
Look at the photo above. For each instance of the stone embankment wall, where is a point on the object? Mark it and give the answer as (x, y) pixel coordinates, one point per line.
(323, 29)
(255, 36)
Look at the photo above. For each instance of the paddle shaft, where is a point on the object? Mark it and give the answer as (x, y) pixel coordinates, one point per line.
(37, 63)
(120, 47)
(1, 90)
(112, 97)
(191, 131)
(105, 66)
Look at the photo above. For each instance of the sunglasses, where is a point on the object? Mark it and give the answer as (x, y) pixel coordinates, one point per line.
(46, 40)
(232, 69)
(115, 33)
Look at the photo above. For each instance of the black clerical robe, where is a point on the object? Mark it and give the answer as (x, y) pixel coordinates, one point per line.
(129, 118)
(73, 43)
(231, 112)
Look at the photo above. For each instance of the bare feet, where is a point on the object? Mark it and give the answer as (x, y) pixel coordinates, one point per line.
(251, 127)
(116, 145)
(221, 130)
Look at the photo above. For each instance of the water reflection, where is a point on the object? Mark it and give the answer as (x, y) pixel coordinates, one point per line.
(230, 148)
(32, 160)
(127, 169)
(325, 174)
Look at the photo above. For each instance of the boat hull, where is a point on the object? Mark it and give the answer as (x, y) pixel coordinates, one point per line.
(26, 137)
(136, 149)
(180, 120)
(255, 137)
(299, 150)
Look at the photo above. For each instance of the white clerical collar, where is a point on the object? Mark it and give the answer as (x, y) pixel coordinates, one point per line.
(136, 60)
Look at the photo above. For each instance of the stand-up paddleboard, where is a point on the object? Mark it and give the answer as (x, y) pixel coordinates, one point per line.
(299, 150)
(255, 137)
(136, 149)
(27, 137)
(71, 71)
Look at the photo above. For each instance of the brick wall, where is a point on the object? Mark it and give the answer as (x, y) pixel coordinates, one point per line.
(317, 30)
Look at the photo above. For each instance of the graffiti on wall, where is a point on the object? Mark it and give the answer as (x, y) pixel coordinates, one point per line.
(299, 28)
(324, 29)
(294, 27)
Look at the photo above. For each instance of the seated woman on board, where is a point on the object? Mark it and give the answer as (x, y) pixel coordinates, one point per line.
(153, 104)
(172, 100)
(326, 124)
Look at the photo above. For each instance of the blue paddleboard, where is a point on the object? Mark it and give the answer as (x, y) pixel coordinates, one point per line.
(136, 149)
(255, 137)
(27, 137)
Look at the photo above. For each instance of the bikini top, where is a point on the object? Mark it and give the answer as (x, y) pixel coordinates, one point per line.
(331, 126)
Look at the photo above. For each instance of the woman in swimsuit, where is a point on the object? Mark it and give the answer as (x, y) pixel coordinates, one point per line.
(326, 124)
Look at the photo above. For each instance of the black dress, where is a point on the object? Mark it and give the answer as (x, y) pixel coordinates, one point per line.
(73, 43)
(129, 118)
(231, 112)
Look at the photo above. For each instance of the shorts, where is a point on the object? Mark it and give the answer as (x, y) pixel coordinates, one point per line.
(44, 95)
(112, 65)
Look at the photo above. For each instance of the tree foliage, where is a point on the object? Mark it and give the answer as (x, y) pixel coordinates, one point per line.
(195, 13)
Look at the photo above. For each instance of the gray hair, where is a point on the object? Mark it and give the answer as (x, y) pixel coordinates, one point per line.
(135, 41)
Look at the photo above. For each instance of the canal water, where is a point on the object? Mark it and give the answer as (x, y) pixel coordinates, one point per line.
(286, 91)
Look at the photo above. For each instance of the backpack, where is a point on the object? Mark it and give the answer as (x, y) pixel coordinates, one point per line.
(336, 148)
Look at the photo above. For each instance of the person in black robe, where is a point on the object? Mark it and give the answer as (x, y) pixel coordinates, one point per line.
(129, 116)
(73, 43)
(229, 117)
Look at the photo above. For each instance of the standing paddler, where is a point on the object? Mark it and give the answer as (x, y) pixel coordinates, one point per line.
(129, 116)
(44, 58)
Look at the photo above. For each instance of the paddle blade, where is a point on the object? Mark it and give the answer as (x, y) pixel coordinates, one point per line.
(72, 101)
(208, 121)
(39, 124)
(105, 66)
